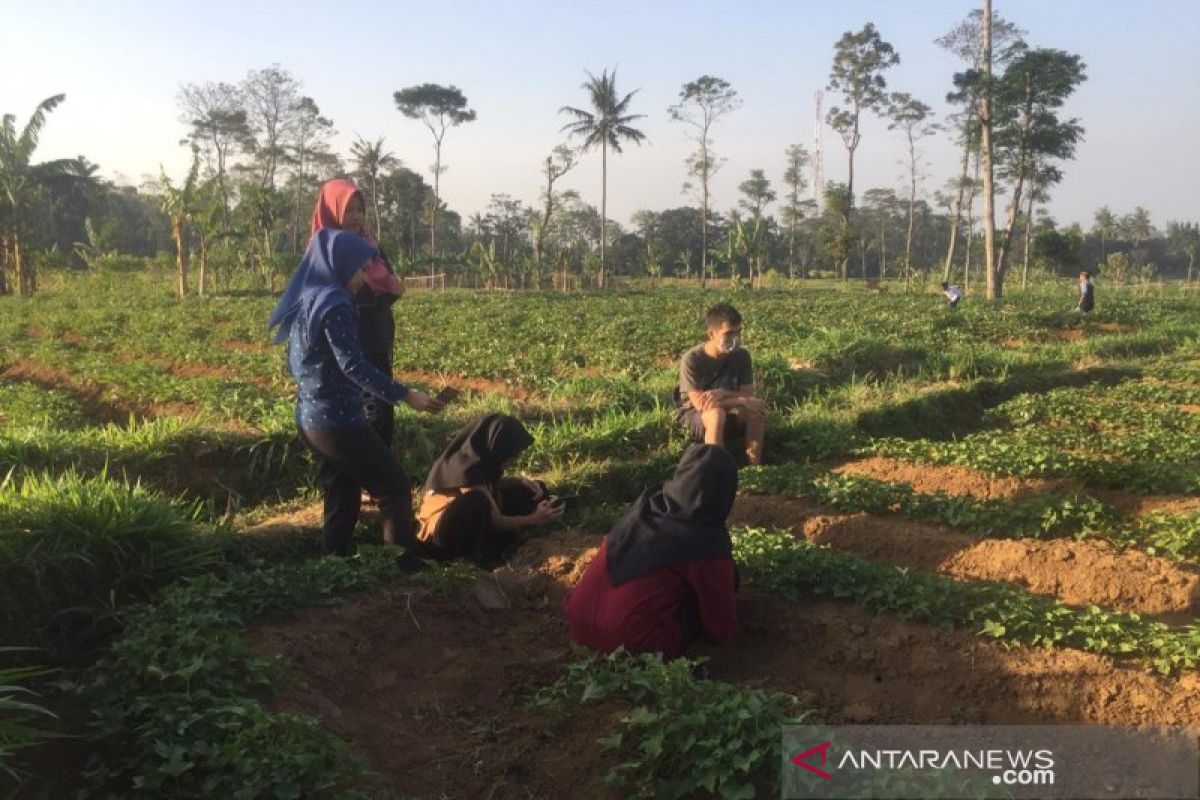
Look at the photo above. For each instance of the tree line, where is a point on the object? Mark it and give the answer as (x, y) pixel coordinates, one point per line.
(261, 148)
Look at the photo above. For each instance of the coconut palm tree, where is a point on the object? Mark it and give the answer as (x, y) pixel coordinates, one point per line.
(21, 181)
(607, 125)
(371, 161)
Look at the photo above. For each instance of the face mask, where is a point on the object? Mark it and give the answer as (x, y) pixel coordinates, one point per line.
(730, 343)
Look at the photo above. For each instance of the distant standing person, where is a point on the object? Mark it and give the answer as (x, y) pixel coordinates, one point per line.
(716, 386)
(1087, 293)
(664, 575)
(341, 206)
(953, 295)
(317, 317)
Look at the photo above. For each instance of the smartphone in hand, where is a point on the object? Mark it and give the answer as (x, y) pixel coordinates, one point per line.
(560, 501)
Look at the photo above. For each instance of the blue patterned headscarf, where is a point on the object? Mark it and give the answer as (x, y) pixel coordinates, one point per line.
(319, 283)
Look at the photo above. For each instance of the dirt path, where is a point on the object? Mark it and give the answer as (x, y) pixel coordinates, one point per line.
(432, 690)
(1075, 572)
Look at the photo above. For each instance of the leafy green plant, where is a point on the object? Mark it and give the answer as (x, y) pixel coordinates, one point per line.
(178, 701)
(1044, 516)
(681, 734)
(782, 563)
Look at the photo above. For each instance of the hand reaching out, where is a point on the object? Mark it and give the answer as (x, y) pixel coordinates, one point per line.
(423, 402)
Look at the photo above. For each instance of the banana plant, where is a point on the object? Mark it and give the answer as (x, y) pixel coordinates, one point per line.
(486, 262)
(179, 204)
(99, 245)
(749, 240)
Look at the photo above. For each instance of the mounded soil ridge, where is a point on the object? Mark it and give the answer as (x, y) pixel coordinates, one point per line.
(1078, 573)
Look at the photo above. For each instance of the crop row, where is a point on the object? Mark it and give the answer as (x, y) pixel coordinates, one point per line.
(779, 562)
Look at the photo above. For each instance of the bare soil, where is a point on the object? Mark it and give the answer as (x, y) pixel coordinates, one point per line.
(1075, 572)
(953, 480)
(433, 690)
(966, 482)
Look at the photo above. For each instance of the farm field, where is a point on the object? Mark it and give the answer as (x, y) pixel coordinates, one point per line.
(989, 515)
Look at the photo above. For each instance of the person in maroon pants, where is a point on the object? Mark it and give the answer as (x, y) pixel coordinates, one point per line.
(665, 575)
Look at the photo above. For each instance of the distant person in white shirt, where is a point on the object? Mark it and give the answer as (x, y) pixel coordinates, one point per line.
(1087, 293)
(953, 295)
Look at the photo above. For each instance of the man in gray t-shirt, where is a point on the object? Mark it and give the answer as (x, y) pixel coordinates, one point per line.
(716, 386)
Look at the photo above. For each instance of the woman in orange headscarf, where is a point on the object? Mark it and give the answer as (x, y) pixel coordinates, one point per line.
(341, 205)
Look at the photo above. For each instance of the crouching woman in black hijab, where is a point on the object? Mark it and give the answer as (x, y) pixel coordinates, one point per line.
(469, 509)
(664, 575)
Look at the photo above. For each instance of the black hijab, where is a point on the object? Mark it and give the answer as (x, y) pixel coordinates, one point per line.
(678, 521)
(475, 454)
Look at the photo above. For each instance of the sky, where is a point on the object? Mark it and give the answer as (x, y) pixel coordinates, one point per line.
(120, 64)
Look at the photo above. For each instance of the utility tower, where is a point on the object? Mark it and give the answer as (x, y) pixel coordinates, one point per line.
(818, 169)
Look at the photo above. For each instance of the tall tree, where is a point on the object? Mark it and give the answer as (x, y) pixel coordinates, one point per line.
(756, 193)
(995, 284)
(404, 197)
(1040, 181)
(606, 125)
(21, 183)
(508, 220)
(272, 101)
(1104, 225)
(216, 115)
(796, 160)
(1138, 229)
(371, 160)
(701, 104)
(1028, 129)
(1183, 239)
(965, 40)
(859, 61)
(912, 117)
(439, 108)
(963, 194)
(883, 205)
(837, 238)
(309, 145)
(560, 161)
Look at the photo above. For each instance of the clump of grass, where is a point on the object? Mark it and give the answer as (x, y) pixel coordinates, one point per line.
(73, 549)
(21, 719)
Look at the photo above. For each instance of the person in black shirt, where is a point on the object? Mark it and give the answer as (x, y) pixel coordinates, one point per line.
(716, 386)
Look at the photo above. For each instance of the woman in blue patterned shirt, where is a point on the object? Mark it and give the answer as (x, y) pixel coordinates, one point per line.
(318, 318)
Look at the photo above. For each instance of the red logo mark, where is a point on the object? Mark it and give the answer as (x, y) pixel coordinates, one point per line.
(800, 760)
